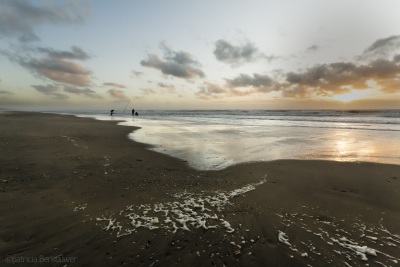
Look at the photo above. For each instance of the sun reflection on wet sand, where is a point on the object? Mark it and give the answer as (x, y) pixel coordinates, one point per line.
(219, 146)
(349, 148)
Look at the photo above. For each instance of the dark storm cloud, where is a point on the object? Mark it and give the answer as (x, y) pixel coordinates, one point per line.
(85, 92)
(50, 90)
(19, 18)
(179, 64)
(231, 54)
(118, 85)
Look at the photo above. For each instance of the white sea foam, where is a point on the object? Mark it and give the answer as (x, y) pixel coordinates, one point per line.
(346, 243)
(80, 207)
(361, 251)
(187, 213)
(282, 237)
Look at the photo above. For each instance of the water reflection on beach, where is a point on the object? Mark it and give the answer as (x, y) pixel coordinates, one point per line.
(208, 141)
(219, 146)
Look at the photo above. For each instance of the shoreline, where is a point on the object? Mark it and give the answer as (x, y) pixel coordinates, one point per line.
(210, 145)
(62, 175)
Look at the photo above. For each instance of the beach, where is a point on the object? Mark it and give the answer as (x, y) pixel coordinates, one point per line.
(216, 139)
(80, 192)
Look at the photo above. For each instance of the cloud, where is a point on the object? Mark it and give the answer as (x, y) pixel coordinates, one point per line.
(341, 77)
(313, 48)
(296, 92)
(163, 85)
(390, 85)
(148, 91)
(381, 48)
(326, 75)
(114, 85)
(178, 64)
(6, 93)
(117, 94)
(211, 90)
(50, 90)
(137, 73)
(59, 70)
(55, 65)
(167, 88)
(86, 92)
(259, 82)
(18, 18)
(323, 80)
(75, 53)
(242, 85)
(384, 43)
(237, 55)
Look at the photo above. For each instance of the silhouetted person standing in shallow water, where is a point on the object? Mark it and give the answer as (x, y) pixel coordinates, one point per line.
(111, 112)
(133, 112)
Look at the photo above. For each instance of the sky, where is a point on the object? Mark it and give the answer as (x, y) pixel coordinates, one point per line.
(220, 54)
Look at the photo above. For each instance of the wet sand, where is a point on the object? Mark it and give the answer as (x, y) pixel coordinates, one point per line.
(81, 190)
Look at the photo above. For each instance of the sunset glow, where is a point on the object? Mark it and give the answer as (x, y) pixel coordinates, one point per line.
(353, 95)
(199, 55)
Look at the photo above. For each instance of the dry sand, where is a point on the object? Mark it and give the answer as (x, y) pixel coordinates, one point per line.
(80, 190)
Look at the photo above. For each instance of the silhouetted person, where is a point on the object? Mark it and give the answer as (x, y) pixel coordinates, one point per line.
(136, 114)
(111, 112)
(133, 112)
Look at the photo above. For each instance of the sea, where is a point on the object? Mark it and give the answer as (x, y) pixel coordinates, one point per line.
(216, 139)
